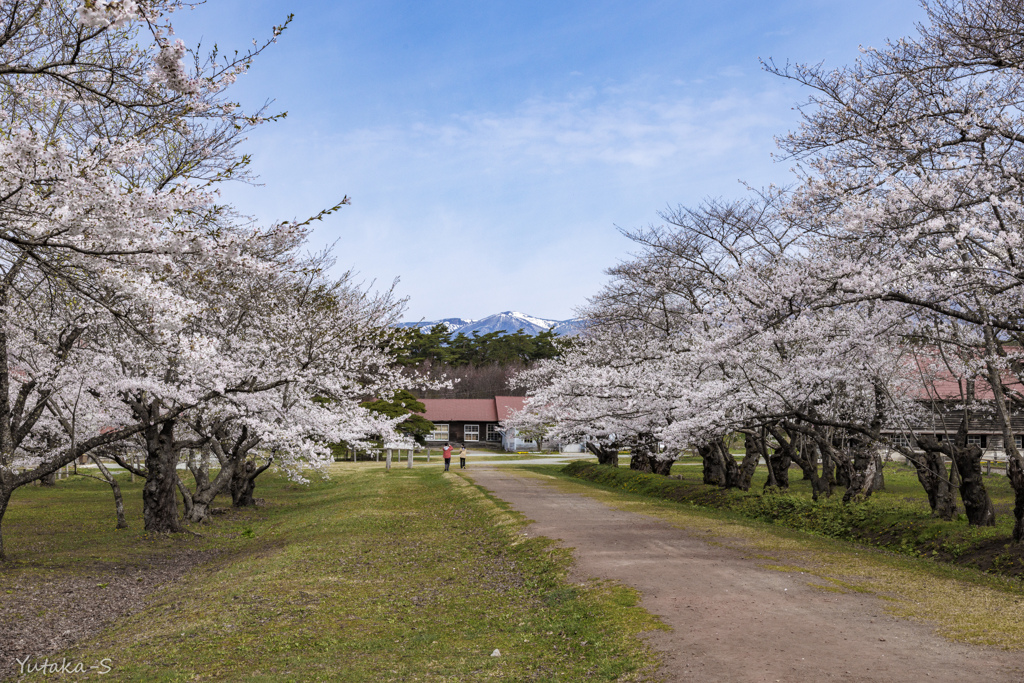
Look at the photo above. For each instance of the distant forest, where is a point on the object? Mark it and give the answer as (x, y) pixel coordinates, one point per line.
(483, 364)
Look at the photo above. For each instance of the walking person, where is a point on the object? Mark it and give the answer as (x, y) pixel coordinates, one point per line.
(462, 457)
(447, 453)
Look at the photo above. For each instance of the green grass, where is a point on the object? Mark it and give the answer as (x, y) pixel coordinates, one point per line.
(370, 576)
(900, 483)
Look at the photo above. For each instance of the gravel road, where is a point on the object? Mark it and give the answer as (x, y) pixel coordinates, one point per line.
(732, 620)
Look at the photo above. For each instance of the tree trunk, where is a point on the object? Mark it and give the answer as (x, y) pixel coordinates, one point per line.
(186, 496)
(606, 455)
(779, 461)
(201, 503)
(834, 460)
(878, 484)
(243, 482)
(1014, 471)
(159, 494)
(931, 472)
(1014, 462)
(5, 498)
(828, 468)
(49, 480)
(202, 499)
(843, 474)
(640, 458)
(644, 455)
(863, 472)
(714, 465)
(122, 523)
(739, 476)
(977, 503)
(806, 457)
(662, 466)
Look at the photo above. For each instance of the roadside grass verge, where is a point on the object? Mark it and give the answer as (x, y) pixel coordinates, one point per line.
(962, 603)
(897, 518)
(369, 576)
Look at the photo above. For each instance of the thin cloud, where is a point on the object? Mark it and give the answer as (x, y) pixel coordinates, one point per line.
(584, 128)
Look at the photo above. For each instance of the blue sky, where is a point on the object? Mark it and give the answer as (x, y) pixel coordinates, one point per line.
(492, 147)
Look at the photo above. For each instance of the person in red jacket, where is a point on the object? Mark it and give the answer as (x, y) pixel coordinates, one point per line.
(447, 452)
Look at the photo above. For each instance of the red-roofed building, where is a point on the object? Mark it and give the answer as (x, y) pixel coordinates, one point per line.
(471, 420)
(942, 393)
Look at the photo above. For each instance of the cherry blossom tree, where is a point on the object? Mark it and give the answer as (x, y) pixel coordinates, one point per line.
(116, 139)
(913, 154)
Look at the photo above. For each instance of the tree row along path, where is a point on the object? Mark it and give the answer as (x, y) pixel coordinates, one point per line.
(731, 619)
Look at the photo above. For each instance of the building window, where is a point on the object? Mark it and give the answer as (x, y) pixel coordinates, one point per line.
(976, 440)
(1017, 441)
(492, 433)
(902, 440)
(472, 432)
(440, 433)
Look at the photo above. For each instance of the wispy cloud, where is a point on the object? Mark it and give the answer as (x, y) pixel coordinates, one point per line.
(589, 127)
(523, 202)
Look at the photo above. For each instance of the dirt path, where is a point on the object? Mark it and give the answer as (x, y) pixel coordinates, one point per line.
(735, 621)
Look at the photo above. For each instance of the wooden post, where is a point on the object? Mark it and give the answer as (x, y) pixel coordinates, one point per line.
(410, 460)
(389, 459)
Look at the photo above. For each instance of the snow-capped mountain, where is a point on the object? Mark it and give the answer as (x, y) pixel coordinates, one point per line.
(509, 321)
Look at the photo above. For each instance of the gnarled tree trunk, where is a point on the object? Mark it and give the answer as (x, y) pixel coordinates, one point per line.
(714, 465)
(606, 455)
(206, 490)
(159, 493)
(977, 503)
(243, 482)
(805, 455)
(863, 474)
(779, 461)
(644, 456)
(931, 472)
(739, 476)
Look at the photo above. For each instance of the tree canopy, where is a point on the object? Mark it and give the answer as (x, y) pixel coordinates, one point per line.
(438, 345)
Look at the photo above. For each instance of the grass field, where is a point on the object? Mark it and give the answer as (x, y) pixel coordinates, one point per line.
(415, 575)
(408, 575)
(901, 485)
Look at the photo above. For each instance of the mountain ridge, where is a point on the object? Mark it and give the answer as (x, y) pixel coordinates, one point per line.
(507, 321)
